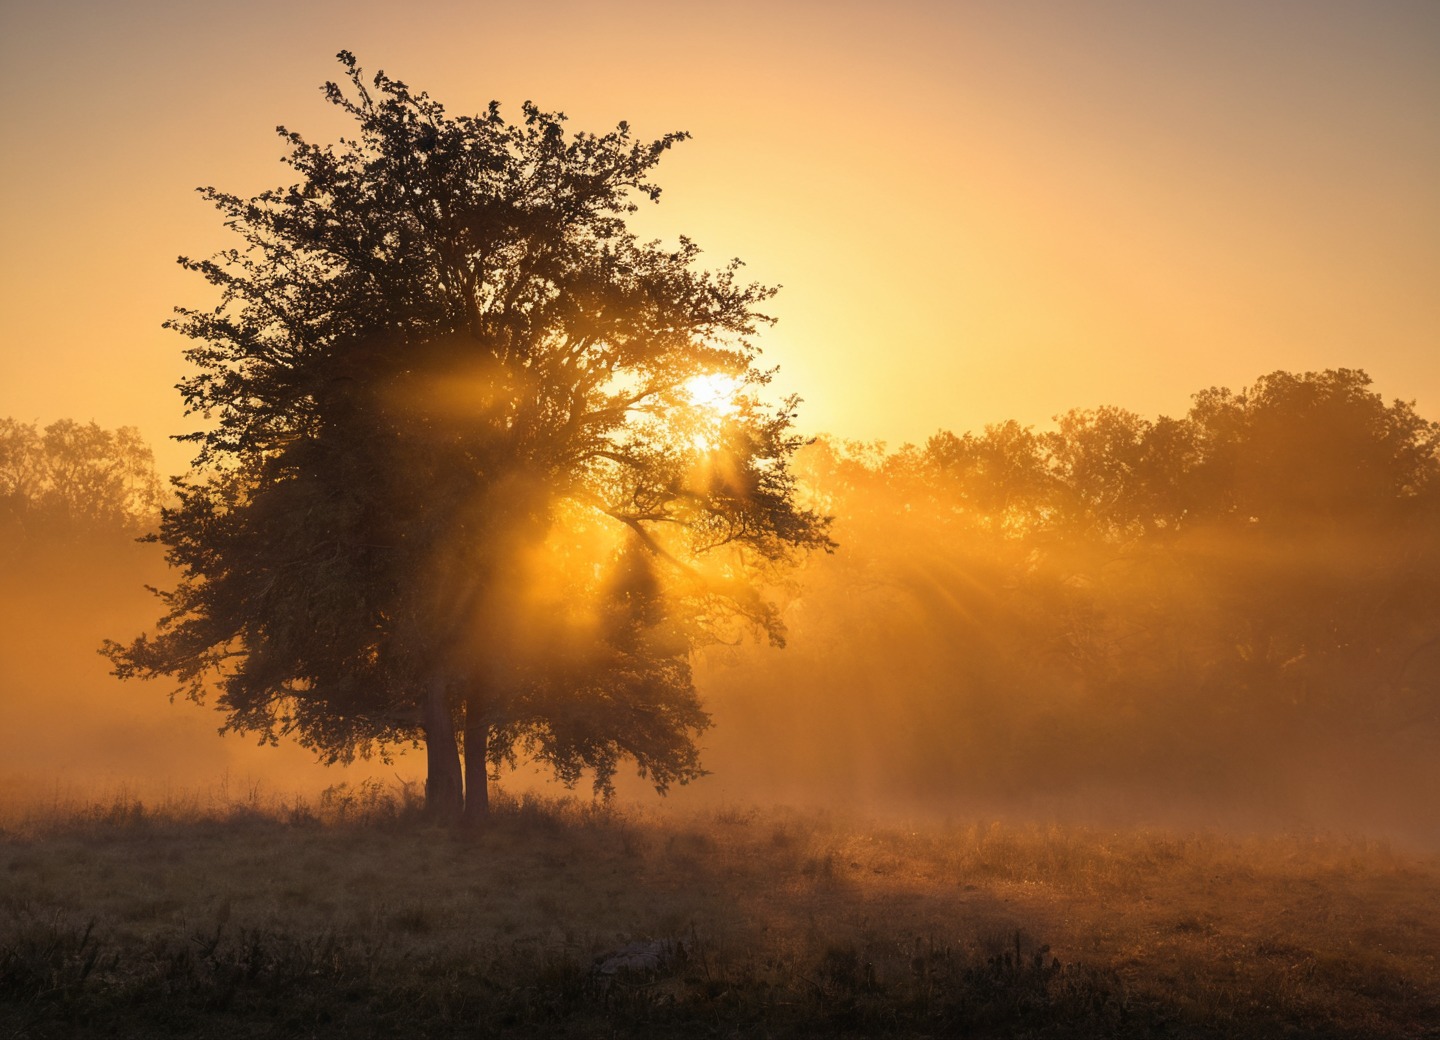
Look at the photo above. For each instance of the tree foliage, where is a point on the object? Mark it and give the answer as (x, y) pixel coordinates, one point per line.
(74, 478)
(1197, 601)
(439, 366)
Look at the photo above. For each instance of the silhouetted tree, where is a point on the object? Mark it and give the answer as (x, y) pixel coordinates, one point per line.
(433, 353)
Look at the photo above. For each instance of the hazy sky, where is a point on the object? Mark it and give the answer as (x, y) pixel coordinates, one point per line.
(978, 210)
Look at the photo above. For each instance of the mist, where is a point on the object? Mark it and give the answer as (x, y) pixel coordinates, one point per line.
(915, 686)
(1225, 620)
(76, 734)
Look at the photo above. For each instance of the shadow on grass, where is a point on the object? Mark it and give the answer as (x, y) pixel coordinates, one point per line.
(357, 918)
(58, 979)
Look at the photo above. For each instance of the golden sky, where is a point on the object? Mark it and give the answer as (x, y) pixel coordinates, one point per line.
(978, 210)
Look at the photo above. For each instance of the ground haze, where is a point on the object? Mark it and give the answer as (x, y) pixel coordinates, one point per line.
(1125, 728)
(352, 917)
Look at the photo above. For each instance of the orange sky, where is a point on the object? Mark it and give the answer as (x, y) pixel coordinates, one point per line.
(979, 210)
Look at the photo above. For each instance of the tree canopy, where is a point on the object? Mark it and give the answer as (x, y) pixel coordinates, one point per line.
(466, 466)
(73, 478)
(1243, 595)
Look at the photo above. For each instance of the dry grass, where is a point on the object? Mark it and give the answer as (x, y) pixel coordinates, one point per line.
(355, 917)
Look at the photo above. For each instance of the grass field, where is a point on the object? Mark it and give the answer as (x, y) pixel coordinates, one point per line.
(354, 917)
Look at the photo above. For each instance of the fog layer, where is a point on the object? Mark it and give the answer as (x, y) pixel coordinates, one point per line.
(1229, 618)
(1232, 617)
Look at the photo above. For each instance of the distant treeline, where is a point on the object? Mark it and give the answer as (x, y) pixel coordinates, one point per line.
(1242, 603)
(1205, 603)
(73, 478)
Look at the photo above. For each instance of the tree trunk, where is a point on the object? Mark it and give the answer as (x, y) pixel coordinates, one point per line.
(444, 794)
(477, 766)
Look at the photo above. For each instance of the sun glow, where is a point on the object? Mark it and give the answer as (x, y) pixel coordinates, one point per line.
(712, 399)
(714, 393)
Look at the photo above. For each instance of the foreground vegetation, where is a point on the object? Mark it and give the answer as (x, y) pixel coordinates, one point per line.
(351, 917)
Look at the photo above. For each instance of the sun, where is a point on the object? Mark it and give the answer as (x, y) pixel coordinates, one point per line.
(713, 394)
(711, 399)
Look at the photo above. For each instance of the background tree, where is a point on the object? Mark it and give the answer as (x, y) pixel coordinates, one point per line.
(432, 354)
(72, 478)
(1237, 606)
(1316, 508)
